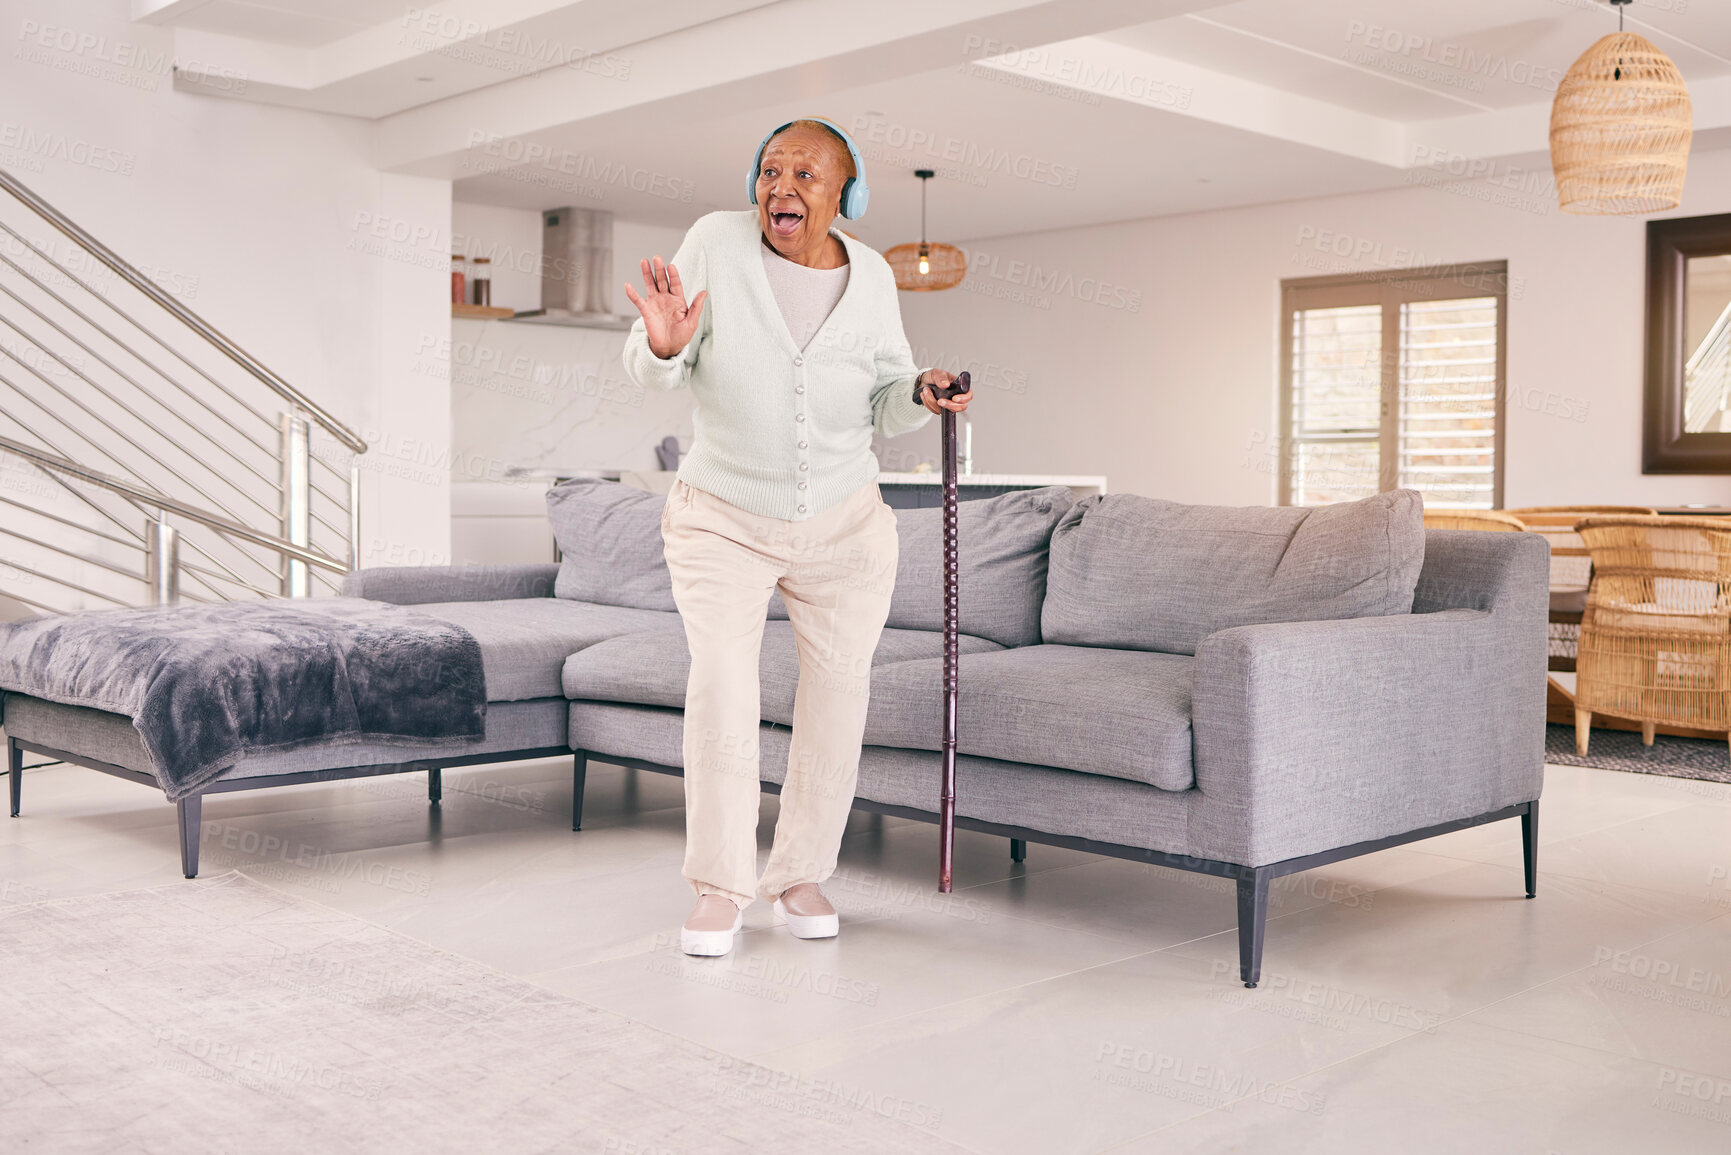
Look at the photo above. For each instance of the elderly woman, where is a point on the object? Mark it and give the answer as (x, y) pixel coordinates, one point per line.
(789, 334)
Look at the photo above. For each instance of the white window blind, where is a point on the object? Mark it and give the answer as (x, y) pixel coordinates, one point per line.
(1425, 415)
(1448, 401)
(1336, 403)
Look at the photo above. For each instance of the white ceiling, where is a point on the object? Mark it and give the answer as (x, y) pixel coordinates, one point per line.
(292, 23)
(1037, 114)
(1417, 59)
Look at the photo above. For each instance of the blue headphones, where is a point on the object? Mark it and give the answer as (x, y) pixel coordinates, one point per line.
(854, 194)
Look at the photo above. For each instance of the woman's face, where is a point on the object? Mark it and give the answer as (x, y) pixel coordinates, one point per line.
(799, 190)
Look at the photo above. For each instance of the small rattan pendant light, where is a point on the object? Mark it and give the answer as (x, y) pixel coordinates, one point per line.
(1620, 128)
(927, 266)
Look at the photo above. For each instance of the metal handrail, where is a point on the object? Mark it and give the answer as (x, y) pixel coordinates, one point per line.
(106, 332)
(186, 316)
(168, 504)
(103, 421)
(124, 375)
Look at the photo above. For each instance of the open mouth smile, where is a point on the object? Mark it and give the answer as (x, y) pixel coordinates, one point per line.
(786, 222)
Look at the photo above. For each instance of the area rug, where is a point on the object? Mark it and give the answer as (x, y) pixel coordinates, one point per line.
(1622, 750)
(220, 1015)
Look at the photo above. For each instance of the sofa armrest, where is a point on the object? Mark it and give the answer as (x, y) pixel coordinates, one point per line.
(1316, 735)
(418, 585)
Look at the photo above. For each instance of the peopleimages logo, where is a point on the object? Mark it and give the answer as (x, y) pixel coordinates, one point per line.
(527, 153)
(1486, 65)
(1046, 282)
(1663, 971)
(430, 30)
(69, 149)
(969, 154)
(1061, 69)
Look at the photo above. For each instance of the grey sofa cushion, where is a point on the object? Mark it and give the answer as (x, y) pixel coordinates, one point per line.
(652, 669)
(1140, 573)
(609, 538)
(411, 585)
(525, 641)
(1002, 571)
(1121, 713)
(1058, 801)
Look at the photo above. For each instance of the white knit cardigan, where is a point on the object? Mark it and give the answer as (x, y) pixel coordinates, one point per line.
(782, 431)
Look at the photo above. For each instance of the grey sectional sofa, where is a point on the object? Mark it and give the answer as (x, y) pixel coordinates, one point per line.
(1239, 692)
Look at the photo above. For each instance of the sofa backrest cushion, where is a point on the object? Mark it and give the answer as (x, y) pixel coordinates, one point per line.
(609, 538)
(1001, 567)
(1144, 574)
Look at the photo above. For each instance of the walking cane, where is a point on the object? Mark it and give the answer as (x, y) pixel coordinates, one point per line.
(952, 626)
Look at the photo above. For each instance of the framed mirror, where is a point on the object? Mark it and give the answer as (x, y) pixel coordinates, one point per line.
(1687, 426)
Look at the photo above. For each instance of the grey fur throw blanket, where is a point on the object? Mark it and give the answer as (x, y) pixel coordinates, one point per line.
(206, 685)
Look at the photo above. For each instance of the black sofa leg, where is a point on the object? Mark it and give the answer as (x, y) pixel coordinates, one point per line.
(1252, 920)
(579, 772)
(1530, 846)
(15, 772)
(1018, 850)
(191, 810)
(435, 785)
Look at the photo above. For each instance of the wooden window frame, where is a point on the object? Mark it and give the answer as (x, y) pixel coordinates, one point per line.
(1665, 448)
(1391, 288)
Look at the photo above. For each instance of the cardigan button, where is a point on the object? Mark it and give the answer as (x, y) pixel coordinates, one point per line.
(802, 509)
(803, 467)
(802, 445)
(799, 388)
(799, 417)
(799, 360)
(802, 485)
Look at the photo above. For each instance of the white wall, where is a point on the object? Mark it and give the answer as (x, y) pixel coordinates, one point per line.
(263, 221)
(1176, 397)
(511, 238)
(546, 397)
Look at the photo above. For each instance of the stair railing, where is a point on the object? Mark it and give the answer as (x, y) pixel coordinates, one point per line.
(108, 424)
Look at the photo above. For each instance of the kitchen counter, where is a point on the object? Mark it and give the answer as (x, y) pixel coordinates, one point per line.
(919, 490)
(915, 490)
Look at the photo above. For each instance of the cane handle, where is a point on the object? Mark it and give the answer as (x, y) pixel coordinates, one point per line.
(955, 389)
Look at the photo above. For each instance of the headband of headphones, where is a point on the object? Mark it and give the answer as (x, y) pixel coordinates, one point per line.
(855, 194)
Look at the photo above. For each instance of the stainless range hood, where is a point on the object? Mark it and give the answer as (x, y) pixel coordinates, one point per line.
(576, 271)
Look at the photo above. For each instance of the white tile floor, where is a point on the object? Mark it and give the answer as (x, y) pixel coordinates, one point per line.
(1412, 1001)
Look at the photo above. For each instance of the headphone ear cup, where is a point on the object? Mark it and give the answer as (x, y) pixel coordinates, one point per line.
(855, 195)
(757, 167)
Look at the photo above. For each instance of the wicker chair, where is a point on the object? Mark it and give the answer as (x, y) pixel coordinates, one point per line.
(1656, 635)
(1571, 568)
(1491, 519)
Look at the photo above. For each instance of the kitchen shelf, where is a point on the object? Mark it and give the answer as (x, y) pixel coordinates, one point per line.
(481, 312)
(609, 321)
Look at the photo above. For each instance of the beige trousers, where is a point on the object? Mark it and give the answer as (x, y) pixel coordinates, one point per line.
(835, 572)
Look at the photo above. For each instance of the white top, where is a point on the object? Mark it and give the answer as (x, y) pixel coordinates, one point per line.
(805, 296)
(780, 430)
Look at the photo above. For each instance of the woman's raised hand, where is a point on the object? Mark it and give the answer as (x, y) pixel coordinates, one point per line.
(668, 321)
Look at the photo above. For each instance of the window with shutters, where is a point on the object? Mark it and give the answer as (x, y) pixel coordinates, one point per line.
(1394, 381)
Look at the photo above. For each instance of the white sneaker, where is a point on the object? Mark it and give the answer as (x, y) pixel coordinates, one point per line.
(709, 931)
(808, 912)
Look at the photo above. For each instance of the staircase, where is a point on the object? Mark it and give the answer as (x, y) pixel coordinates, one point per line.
(145, 458)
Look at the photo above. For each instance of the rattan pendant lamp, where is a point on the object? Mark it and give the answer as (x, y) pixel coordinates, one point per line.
(1620, 128)
(927, 266)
